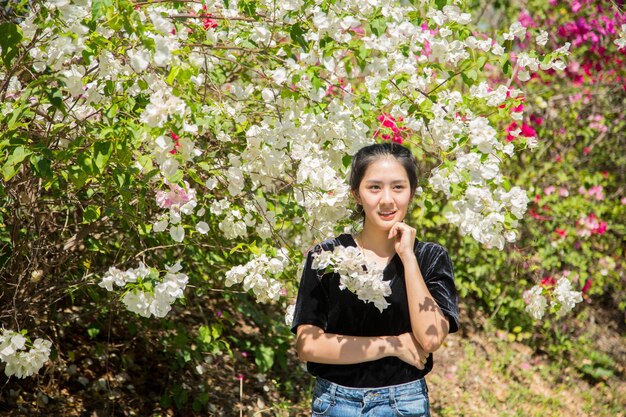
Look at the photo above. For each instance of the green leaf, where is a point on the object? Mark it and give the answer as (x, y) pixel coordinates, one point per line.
(480, 62)
(506, 68)
(174, 72)
(16, 115)
(101, 154)
(204, 334)
(264, 357)
(10, 37)
(13, 162)
(55, 96)
(85, 163)
(93, 332)
(91, 214)
(41, 165)
(248, 7)
(378, 26)
(297, 35)
(99, 8)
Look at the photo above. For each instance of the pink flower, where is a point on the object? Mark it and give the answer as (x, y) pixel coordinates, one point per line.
(586, 150)
(525, 130)
(563, 192)
(175, 138)
(176, 196)
(548, 281)
(207, 22)
(549, 190)
(587, 286)
(538, 120)
(560, 232)
(623, 201)
(591, 225)
(390, 122)
(597, 192)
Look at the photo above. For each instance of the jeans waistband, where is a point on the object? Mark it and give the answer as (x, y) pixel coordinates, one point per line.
(416, 387)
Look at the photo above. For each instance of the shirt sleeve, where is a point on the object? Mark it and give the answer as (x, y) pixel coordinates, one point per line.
(312, 300)
(439, 278)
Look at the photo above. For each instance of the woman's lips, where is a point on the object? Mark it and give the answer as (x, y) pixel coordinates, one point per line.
(387, 215)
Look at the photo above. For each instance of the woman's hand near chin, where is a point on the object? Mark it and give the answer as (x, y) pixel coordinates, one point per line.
(404, 236)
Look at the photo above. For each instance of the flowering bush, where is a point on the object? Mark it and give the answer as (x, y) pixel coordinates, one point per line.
(573, 227)
(220, 134)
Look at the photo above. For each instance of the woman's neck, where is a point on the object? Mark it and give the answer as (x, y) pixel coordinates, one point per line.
(377, 241)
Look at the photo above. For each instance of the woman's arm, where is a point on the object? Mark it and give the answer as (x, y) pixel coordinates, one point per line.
(428, 323)
(314, 345)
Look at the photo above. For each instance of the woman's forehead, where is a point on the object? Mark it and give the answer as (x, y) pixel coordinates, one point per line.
(385, 167)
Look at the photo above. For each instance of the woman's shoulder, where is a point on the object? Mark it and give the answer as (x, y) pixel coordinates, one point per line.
(429, 248)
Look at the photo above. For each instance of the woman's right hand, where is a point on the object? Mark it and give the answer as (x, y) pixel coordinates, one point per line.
(409, 350)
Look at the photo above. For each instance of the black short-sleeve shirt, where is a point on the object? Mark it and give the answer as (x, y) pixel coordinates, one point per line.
(321, 303)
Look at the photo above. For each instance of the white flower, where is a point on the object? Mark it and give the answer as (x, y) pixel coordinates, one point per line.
(211, 183)
(255, 276)
(160, 225)
(349, 262)
(174, 268)
(542, 38)
(289, 314)
(536, 303)
(322, 259)
(113, 276)
(19, 359)
(139, 59)
(202, 228)
(565, 296)
(523, 76)
(517, 30)
(563, 50)
(177, 233)
(558, 65)
(138, 302)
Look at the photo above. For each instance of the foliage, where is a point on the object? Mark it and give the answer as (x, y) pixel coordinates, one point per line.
(218, 135)
(574, 227)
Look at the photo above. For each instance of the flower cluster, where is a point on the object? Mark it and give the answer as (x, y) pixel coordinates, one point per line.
(147, 295)
(391, 128)
(354, 275)
(255, 276)
(272, 140)
(560, 294)
(178, 200)
(590, 225)
(21, 360)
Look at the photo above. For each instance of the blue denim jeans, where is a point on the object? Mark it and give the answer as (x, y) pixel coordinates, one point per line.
(332, 400)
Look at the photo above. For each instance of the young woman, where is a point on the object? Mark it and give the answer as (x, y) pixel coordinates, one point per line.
(369, 362)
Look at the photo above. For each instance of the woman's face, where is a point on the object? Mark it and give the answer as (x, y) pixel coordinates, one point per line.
(384, 193)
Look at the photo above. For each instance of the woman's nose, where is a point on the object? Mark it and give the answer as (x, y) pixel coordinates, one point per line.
(386, 195)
